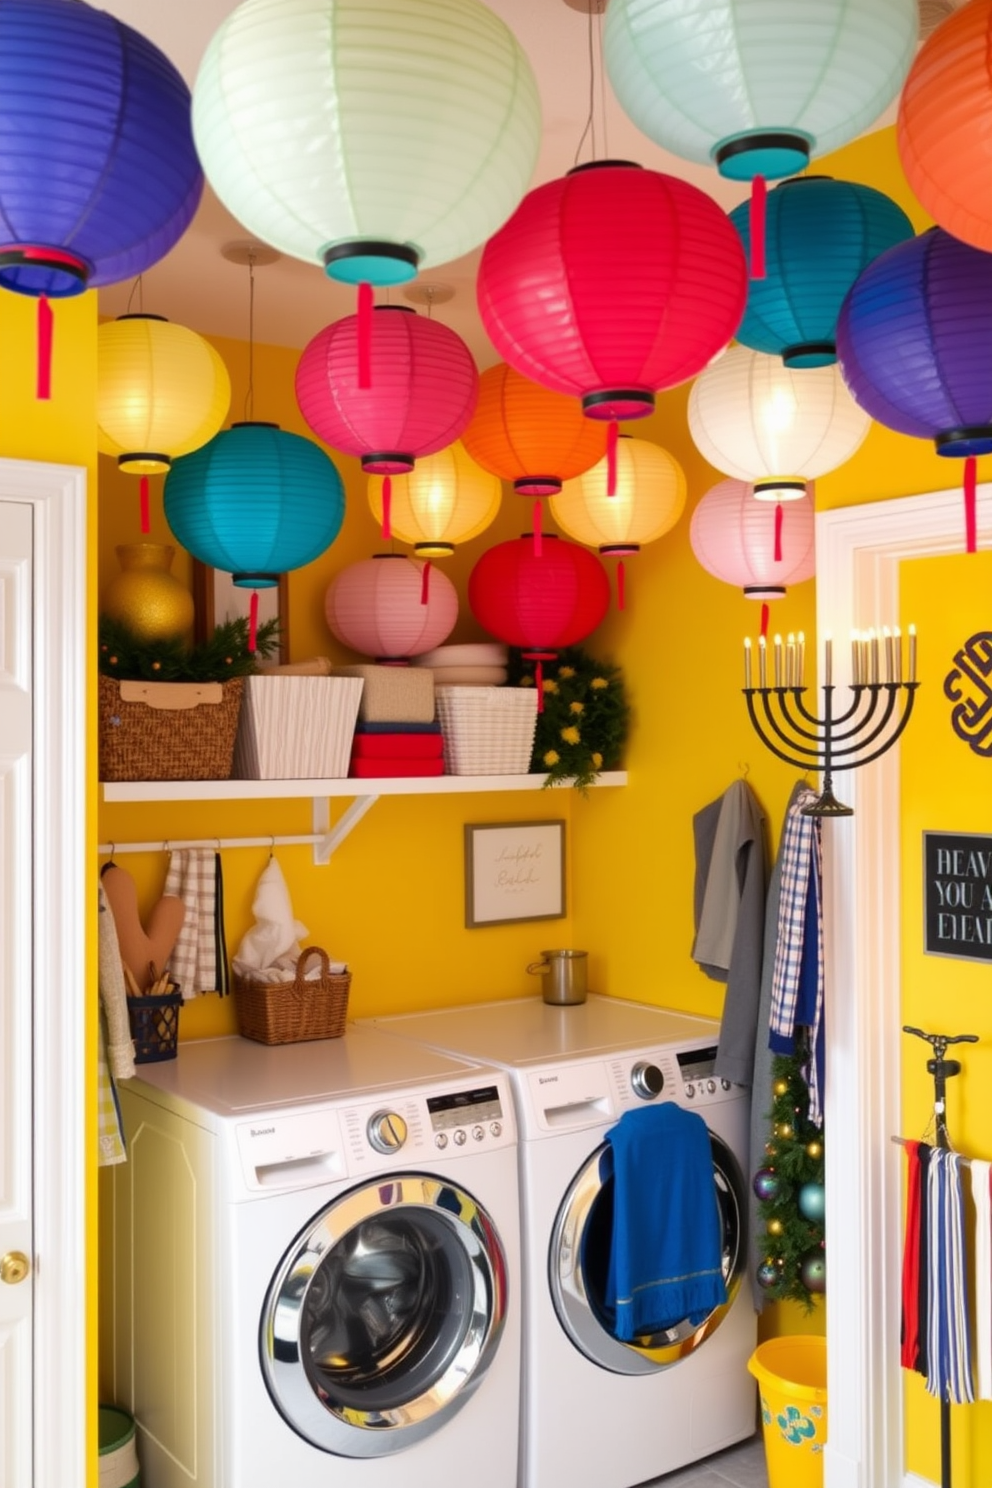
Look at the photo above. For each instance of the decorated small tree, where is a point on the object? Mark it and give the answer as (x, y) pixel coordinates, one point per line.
(790, 1192)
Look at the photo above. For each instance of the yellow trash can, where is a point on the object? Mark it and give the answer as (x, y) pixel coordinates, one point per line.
(792, 1382)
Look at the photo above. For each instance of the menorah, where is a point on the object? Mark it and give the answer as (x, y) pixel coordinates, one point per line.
(880, 707)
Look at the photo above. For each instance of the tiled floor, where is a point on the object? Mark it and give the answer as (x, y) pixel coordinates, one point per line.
(742, 1466)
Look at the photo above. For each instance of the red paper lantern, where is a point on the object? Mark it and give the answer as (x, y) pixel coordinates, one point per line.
(539, 603)
(613, 283)
(422, 394)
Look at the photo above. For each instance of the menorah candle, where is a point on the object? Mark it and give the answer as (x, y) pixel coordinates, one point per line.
(855, 659)
(790, 660)
(889, 655)
(778, 661)
(912, 653)
(828, 661)
(747, 661)
(801, 660)
(897, 648)
(762, 662)
(873, 654)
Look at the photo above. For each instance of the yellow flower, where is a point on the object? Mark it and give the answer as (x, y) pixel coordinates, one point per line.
(599, 682)
(570, 735)
(566, 671)
(526, 682)
(597, 760)
(551, 757)
(549, 684)
(576, 707)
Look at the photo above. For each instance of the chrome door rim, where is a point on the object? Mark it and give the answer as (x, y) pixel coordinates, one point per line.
(569, 1293)
(297, 1388)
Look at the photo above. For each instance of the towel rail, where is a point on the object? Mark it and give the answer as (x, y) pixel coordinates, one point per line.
(911, 1141)
(307, 839)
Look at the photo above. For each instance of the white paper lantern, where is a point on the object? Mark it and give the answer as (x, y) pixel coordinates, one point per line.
(371, 136)
(778, 427)
(382, 608)
(734, 538)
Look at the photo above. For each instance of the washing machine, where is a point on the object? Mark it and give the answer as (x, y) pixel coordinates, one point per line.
(316, 1261)
(597, 1412)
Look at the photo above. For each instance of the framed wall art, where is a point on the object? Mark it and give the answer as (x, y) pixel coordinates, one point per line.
(514, 871)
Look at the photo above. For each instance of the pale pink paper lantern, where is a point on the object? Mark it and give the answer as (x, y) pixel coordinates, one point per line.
(391, 607)
(754, 545)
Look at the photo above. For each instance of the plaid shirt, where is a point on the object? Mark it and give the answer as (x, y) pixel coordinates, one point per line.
(802, 875)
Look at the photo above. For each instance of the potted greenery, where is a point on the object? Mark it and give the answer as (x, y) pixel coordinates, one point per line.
(583, 724)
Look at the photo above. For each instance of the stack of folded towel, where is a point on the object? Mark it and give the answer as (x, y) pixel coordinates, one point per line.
(480, 665)
(386, 750)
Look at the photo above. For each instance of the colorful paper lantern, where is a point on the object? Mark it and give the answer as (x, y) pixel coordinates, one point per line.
(529, 435)
(944, 127)
(370, 136)
(757, 87)
(612, 283)
(819, 235)
(778, 427)
(758, 548)
(378, 607)
(256, 502)
(422, 390)
(446, 499)
(161, 392)
(913, 340)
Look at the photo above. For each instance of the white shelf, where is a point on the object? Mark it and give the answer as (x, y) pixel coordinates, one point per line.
(274, 790)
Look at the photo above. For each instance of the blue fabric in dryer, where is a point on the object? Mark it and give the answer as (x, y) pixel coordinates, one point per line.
(666, 1246)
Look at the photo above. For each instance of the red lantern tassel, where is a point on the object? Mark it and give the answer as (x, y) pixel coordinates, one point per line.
(538, 544)
(970, 504)
(145, 505)
(612, 434)
(387, 508)
(778, 533)
(756, 222)
(253, 621)
(44, 385)
(364, 335)
(539, 684)
(764, 621)
(425, 583)
(621, 586)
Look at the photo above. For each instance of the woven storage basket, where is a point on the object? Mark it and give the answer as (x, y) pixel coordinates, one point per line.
(168, 730)
(487, 730)
(393, 694)
(292, 1012)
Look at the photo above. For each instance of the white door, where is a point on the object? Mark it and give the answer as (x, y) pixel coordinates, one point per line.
(46, 1003)
(16, 1239)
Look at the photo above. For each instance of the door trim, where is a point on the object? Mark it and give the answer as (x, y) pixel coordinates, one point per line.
(62, 999)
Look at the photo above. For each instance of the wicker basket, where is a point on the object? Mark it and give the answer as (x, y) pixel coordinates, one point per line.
(168, 730)
(292, 1012)
(487, 730)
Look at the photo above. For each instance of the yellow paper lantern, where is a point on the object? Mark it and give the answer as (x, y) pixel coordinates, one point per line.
(649, 499)
(445, 499)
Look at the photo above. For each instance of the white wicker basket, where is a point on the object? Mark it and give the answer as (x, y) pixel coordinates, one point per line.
(487, 730)
(296, 728)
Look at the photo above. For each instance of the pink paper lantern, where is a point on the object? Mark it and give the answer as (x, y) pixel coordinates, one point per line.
(385, 607)
(757, 546)
(420, 396)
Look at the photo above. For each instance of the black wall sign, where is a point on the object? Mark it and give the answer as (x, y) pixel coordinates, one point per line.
(957, 891)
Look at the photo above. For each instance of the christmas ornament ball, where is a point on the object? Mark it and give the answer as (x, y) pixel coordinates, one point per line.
(775, 1227)
(784, 1131)
(766, 1183)
(767, 1274)
(814, 1149)
(812, 1202)
(781, 1087)
(813, 1271)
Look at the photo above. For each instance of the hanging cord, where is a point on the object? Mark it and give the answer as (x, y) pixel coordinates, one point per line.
(594, 43)
(250, 394)
(137, 288)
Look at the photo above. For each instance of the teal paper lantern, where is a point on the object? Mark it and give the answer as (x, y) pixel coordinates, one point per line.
(819, 236)
(256, 502)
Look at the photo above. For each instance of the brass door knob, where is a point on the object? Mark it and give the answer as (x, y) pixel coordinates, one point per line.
(14, 1266)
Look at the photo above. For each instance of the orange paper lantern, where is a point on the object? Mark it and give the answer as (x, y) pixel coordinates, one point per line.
(529, 434)
(944, 128)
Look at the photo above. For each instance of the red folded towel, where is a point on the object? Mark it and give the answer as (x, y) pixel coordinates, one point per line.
(385, 769)
(398, 746)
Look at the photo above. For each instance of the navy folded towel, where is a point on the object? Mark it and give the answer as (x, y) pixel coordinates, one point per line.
(666, 1243)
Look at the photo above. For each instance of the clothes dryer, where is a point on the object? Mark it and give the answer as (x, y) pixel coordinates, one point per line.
(316, 1266)
(597, 1412)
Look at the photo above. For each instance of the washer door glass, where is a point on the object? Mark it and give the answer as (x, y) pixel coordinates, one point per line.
(384, 1315)
(579, 1256)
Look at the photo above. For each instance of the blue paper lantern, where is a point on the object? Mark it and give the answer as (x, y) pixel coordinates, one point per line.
(98, 173)
(255, 501)
(820, 234)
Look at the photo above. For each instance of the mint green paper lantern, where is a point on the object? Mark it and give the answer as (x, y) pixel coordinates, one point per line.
(374, 137)
(757, 87)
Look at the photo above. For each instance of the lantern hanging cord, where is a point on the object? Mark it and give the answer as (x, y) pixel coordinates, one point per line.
(589, 131)
(250, 394)
(138, 287)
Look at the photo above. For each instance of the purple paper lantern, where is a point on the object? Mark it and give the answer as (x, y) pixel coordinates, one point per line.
(913, 343)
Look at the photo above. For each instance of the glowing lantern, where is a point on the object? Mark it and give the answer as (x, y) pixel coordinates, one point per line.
(370, 136)
(752, 417)
(256, 502)
(944, 128)
(378, 607)
(820, 235)
(539, 603)
(648, 501)
(612, 283)
(913, 340)
(446, 499)
(98, 174)
(161, 392)
(420, 399)
(756, 547)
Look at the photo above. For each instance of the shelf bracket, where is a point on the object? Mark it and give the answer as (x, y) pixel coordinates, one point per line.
(331, 837)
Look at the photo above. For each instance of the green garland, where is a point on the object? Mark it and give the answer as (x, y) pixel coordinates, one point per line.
(583, 726)
(225, 654)
(795, 1156)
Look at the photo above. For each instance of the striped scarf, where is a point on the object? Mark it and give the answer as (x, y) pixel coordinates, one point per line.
(948, 1347)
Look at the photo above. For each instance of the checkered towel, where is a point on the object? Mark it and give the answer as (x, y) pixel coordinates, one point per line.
(797, 978)
(114, 1037)
(199, 958)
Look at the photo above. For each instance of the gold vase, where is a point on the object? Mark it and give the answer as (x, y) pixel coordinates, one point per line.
(145, 596)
